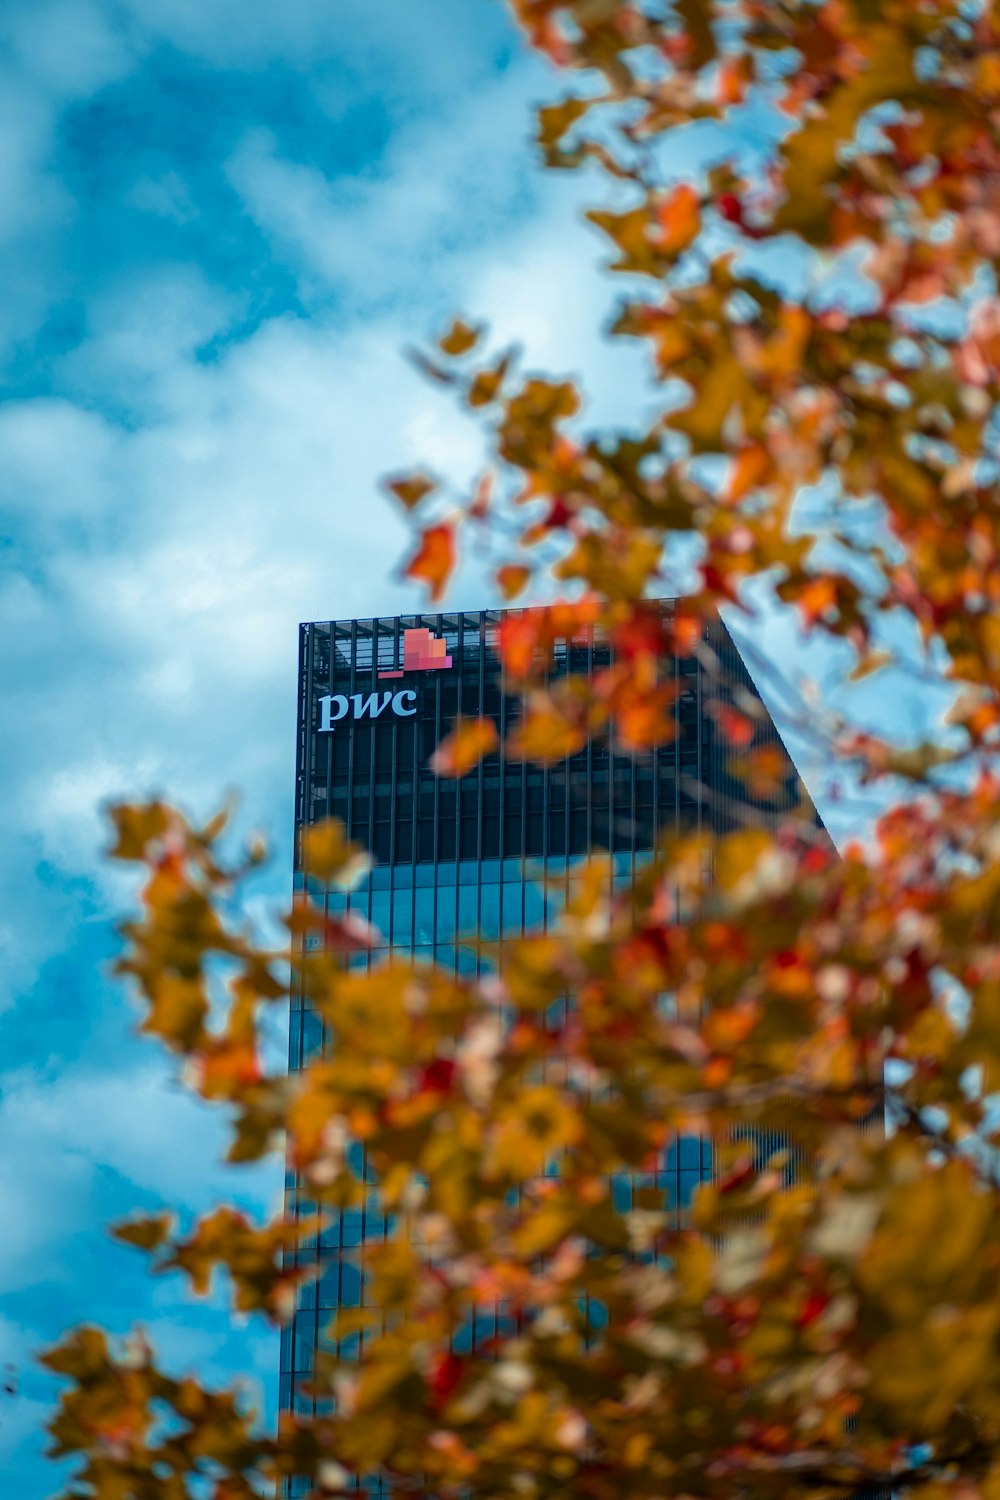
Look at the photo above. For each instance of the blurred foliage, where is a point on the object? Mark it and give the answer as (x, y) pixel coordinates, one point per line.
(828, 1316)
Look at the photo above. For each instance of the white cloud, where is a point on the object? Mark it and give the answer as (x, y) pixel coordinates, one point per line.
(444, 197)
(36, 482)
(68, 47)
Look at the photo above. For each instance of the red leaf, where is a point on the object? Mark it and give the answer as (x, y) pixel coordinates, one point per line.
(434, 560)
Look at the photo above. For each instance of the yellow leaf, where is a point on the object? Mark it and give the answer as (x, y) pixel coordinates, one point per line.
(547, 733)
(538, 1123)
(329, 855)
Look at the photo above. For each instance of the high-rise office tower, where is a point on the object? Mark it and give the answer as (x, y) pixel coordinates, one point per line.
(488, 852)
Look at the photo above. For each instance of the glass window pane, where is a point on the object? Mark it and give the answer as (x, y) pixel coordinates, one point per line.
(402, 918)
(534, 907)
(445, 915)
(423, 919)
(489, 919)
(511, 914)
(468, 903)
(380, 912)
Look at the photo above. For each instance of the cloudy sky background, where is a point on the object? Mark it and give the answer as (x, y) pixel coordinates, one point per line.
(220, 226)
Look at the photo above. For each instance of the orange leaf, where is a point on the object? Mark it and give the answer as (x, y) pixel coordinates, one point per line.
(730, 81)
(737, 727)
(749, 468)
(687, 632)
(518, 642)
(680, 218)
(546, 734)
(765, 770)
(464, 748)
(434, 560)
(816, 598)
(643, 719)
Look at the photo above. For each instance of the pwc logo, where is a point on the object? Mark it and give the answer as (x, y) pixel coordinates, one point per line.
(422, 652)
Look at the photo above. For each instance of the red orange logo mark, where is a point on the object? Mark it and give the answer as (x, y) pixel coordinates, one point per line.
(422, 652)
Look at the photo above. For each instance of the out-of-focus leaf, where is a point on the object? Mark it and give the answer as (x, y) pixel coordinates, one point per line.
(410, 489)
(329, 855)
(460, 339)
(464, 747)
(434, 560)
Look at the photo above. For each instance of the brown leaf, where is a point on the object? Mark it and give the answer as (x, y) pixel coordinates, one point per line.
(435, 558)
(460, 338)
(555, 119)
(146, 1233)
(410, 489)
(696, 15)
(137, 826)
(486, 384)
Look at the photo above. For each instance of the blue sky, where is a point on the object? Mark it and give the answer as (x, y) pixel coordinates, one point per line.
(220, 226)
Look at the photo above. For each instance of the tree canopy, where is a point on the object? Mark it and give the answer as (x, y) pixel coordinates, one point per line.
(828, 1315)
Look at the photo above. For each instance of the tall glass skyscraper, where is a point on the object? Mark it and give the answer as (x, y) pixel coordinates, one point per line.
(487, 853)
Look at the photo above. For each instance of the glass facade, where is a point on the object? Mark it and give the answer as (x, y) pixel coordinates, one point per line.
(492, 853)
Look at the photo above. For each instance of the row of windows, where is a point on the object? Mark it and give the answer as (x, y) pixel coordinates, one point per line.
(408, 917)
(359, 749)
(490, 871)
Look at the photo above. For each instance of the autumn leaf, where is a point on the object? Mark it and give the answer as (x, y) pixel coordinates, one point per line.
(765, 770)
(487, 384)
(530, 1130)
(737, 727)
(555, 119)
(696, 17)
(145, 1234)
(549, 730)
(679, 219)
(329, 855)
(435, 558)
(410, 489)
(512, 579)
(464, 747)
(136, 827)
(460, 338)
